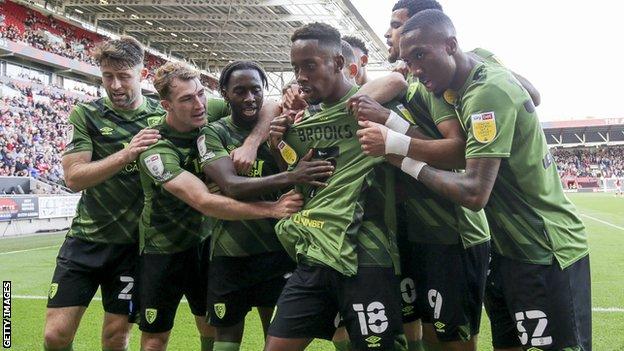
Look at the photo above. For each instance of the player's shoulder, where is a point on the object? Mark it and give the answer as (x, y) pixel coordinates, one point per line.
(492, 84)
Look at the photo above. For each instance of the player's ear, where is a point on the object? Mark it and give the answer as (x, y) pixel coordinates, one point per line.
(144, 73)
(364, 60)
(166, 105)
(339, 62)
(451, 45)
(353, 70)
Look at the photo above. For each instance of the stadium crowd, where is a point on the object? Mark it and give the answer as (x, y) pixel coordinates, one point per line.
(604, 162)
(32, 131)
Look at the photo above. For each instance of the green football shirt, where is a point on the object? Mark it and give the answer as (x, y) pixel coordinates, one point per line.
(109, 212)
(531, 218)
(350, 222)
(168, 224)
(430, 217)
(239, 238)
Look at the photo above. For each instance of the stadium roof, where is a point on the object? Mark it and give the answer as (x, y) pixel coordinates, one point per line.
(210, 33)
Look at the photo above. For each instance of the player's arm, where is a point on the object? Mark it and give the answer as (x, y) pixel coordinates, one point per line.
(194, 192)
(470, 189)
(223, 173)
(485, 147)
(81, 173)
(245, 156)
(379, 140)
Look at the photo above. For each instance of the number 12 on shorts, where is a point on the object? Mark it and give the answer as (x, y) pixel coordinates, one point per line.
(373, 318)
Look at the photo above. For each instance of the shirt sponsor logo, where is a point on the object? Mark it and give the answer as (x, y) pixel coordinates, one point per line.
(303, 219)
(154, 165)
(484, 126)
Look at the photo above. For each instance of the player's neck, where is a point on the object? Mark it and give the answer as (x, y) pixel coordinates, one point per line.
(241, 122)
(341, 89)
(175, 124)
(464, 64)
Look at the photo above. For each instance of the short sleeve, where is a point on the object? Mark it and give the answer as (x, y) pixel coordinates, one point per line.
(77, 135)
(209, 146)
(439, 109)
(216, 109)
(160, 163)
(489, 116)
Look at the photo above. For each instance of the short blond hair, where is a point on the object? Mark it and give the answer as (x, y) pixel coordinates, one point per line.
(166, 74)
(122, 53)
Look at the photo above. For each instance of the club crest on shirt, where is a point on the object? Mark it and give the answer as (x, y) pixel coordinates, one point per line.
(154, 165)
(484, 126)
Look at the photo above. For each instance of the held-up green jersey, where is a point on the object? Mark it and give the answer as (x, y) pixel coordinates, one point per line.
(109, 212)
(531, 218)
(430, 217)
(168, 224)
(350, 222)
(238, 238)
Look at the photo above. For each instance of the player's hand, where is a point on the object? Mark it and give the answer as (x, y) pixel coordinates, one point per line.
(292, 100)
(401, 68)
(311, 172)
(365, 108)
(244, 158)
(372, 138)
(289, 203)
(279, 126)
(140, 142)
(394, 160)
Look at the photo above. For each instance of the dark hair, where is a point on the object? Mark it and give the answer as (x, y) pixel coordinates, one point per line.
(415, 6)
(122, 53)
(231, 67)
(428, 20)
(356, 42)
(326, 35)
(347, 52)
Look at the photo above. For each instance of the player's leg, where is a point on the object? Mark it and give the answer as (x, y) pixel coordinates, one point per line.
(119, 285)
(341, 339)
(226, 314)
(454, 290)
(163, 279)
(74, 283)
(550, 306)
(412, 268)
(195, 289)
(370, 309)
(504, 333)
(264, 295)
(60, 328)
(306, 309)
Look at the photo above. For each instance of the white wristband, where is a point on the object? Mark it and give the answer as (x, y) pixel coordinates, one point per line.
(397, 143)
(396, 123)
(412, 167)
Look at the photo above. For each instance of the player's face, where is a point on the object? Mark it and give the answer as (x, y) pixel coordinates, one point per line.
(429, 59)
(315, 68)
(187, 103)
(393, 34)
(245, 94)
(123, 86)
